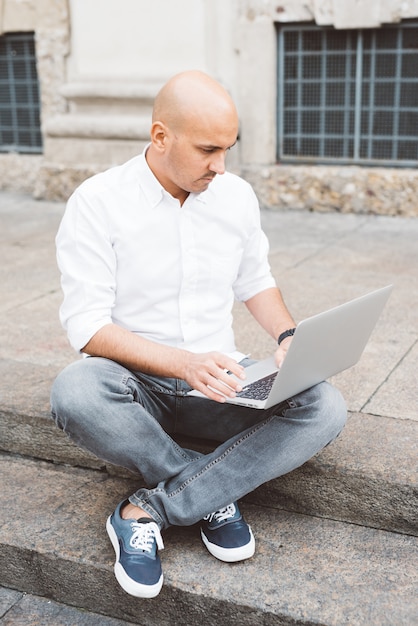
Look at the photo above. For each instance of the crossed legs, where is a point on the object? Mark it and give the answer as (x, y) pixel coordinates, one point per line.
(127, 419)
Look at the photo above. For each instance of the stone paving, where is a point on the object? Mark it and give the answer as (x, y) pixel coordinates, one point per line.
(319, 259)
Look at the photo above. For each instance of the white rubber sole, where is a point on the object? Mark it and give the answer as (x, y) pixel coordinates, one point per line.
(230, 555)
(130, 586)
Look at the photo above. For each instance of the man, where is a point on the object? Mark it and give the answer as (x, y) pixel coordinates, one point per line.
(152, 255)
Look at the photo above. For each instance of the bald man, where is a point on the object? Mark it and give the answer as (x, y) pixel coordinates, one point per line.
(152, 255)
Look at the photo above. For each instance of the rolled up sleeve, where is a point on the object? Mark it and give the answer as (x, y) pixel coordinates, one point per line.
(255, 272)
(87, 263)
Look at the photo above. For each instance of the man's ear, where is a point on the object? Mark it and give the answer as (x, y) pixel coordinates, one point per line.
(159, 135)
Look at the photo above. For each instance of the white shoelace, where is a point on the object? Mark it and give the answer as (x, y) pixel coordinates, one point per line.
(223, 514)
(143, 536)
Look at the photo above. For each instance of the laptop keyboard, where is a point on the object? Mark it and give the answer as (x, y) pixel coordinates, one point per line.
(259, 389)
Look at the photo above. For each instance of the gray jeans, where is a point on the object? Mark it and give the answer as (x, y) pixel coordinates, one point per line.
(127, 418)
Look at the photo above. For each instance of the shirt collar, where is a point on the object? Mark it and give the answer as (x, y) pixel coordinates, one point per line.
(150, 185)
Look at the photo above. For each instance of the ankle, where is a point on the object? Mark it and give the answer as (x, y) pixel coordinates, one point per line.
(130, 511)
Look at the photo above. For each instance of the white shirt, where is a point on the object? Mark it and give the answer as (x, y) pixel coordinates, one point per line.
(129, 254)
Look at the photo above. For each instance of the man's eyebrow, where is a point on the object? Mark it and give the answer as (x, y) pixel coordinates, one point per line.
(213, 147)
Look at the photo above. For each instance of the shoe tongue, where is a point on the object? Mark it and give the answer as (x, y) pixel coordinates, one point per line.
(144, 520)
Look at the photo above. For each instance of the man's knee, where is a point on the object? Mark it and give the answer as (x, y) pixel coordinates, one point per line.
(64, 392)
(324, 408)
(72, 390)
(334, 408)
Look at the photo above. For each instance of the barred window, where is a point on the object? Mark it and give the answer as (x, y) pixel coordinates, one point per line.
(19, 95)
(348, 95)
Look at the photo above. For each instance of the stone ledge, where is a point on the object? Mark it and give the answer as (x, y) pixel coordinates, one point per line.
(19, 172)
(21, 608)
(345, 189)
(305, 570)
(144, 91)
(365, 477)
(74, 152)
(99, 126)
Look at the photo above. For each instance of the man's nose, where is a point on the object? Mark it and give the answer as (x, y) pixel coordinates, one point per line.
(218, 163)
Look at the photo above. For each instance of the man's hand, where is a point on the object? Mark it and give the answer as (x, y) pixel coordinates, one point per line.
(207, 373)
(281, 351)
(204, 372)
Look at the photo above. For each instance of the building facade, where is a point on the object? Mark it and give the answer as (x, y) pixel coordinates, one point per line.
(326, 90)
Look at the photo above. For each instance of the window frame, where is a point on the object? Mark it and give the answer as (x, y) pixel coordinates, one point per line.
(352, 130)
(20, 103)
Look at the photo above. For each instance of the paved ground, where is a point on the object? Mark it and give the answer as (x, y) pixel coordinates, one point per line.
(319, 260)
(21, 609)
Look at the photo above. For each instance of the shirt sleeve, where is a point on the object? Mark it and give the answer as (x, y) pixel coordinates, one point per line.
(87, 263)
(255, 272)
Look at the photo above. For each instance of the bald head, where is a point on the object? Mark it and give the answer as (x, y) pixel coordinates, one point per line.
(194, 124)
(192, 96)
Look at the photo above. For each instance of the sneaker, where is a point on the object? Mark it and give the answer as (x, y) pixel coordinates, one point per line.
(136, 542)
(227, 536)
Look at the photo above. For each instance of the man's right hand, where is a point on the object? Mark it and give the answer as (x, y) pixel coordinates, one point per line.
(205, 372)
(210, 373)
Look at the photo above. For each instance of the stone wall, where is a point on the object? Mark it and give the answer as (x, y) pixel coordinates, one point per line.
(97, 94)
(49, 20)
(380, 191)
(19, 172)
(345, 189)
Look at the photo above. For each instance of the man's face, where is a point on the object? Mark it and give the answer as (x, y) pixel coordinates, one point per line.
(196, 154)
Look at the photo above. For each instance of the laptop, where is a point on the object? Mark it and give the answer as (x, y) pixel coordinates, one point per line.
(323, 345)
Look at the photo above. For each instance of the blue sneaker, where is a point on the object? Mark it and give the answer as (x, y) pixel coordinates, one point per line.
(136, 542)
(227, 536)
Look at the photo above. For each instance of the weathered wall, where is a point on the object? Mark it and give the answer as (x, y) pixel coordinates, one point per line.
(346, 189)
(101, 63)
(49, 19)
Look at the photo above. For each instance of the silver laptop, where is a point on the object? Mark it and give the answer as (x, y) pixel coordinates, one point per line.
(322, 346)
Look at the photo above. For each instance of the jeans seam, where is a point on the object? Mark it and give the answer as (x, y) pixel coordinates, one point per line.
(236, 443)
(150, 383)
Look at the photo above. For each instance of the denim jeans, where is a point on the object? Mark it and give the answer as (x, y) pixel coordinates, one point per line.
(128, 418)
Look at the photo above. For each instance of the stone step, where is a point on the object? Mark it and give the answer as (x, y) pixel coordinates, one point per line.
(368, 476)
(17, 607)
(306, 570)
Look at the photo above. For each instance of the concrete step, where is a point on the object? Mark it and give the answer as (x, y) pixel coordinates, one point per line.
(368, 476)
(306, 570)
(21, 608)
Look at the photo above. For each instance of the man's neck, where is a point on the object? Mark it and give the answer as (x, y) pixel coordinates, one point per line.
(180, 194)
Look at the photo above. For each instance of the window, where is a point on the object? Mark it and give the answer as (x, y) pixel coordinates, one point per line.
(348, 95)
(19, 95)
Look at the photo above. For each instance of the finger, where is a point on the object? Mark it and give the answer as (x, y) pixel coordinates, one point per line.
(227, 367)
(210, 392)
(226, 384)
(237, 370)
(223, 383)
(220, 377)
(229, 382)
(279, 356)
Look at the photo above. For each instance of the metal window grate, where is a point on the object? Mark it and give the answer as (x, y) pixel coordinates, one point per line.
(20, 129)
(348, 95)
